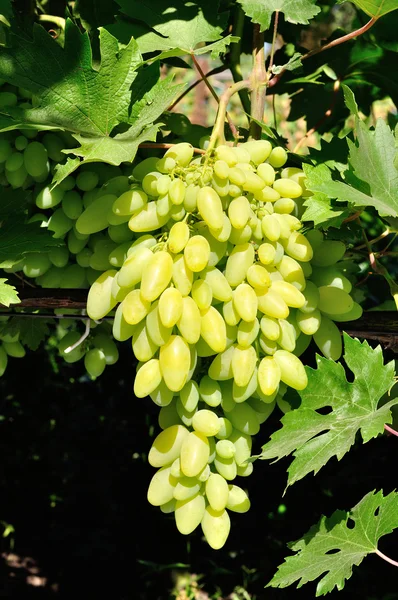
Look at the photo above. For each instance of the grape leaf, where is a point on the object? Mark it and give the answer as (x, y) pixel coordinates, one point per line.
(17, 238)
(71, 94)
(320, 210)
(94, 14)
(331, 548)
(295, 11)
(8, 293)
(13, 201)
(349, 100)
(374, 181)
(293, 63)
(375, 8)
(314, 438)
(32, 331)
(176, 28)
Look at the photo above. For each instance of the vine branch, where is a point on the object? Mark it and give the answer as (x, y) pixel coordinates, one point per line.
(193, 85)
(258, 80)
(390, 430)
(234, 57)
(386, 558)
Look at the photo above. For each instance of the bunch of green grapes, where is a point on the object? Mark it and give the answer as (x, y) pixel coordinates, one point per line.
(220, 294)
(10, 346)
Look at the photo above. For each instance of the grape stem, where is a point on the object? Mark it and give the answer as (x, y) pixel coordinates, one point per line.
(213, 92)
(81, 339)
(193, 85)
(390, 430)
(234, 57)
(258, 79)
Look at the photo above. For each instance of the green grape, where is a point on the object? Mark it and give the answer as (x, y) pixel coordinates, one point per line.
(221, 367)
(3, 360)
(94, 362)
(273, 305)
(73, 277)
(143, 347)
(331, 276)
(182, 276)
(189, 323)
(189, 514)
(130, 202)
(210, 392)
(5, 150)
(18, 178)
(161, 487)
(225, 427)
(108, 347)
(309, 323)
(285, 206)
(87, 181)
(67, 184)
(100, 301)
(328, 253)
(36, 264)
(297, 247)
(334, 300)
(59, 256)
(182, 153)
(94, 217)
(259, 150)
(217, 492)
(161, 395)
(225, 448)
(100, 257)
(167, 446)
(244, 419)
(121, 234)
(148, 378)
(287, 188)
(76, 241)
(189, 395)
(72, 205)
(195, 451)
(226, 467)
(238, 501)
(175, 360)
(69, 340)
(186, 487)
(178, 237)
(353, 314)
(121, 330)
(54, 146)
(14, 349)
(328, 339)
(245, 302)
(242, 393)
(196, 253)
(245, 470)
(131, 272)
(238, 263)
(270, 328)
(206, 422)
(277, 157)
(59, 223)
(14, 162)
(170, 307)
(157, 332)
(147, 219)
(248, 332)
(216, 526)
(292, 369)
(35, 159)
(8, 99)
(213, 329)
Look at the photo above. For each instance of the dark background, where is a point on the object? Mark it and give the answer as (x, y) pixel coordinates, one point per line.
(73, 486)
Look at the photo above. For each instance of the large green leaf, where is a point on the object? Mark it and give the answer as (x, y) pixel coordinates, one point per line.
(314, 438)
(31, 331)
(331, 548)
(18, 238)
(295, 11)
(319, 209)
(374, 179)
(376, 8)
(175, 28)
(8, 293)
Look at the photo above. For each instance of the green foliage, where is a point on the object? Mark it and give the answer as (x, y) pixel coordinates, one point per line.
(295, 11)
(32, 332)
(336, 544)
(18, 238)
(8, 293)
(354, 408)
(376, 8)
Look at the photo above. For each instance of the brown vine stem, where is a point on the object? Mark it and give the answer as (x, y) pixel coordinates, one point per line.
(258, 80)
(213, 92)
(390, 430)
(332, 44)
(377, 239)
(166, 146)
(386, 558)
(193, 85)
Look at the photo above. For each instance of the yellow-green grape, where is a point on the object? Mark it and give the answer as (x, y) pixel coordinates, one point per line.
(258, 277)
(242, 393)
(266, 253)
(167, 445)
(242, 154)
(131, 272)
(258, 150)
(144, 347)
(225, 448)
(223, 234)
(196, 253)
(239, 212)
(120, 234)
(48, 198)
(309, 323)
(163, 184)
(353, 314)
(328, 339)
(36, 264)
(289, 293)
(226, 154)
(216, 526)
(182, 275)
(225, 428)
(292, 369)
(230, 313)
(175, 360)
(176, 192)
(210, 207)
(221, 169)
(298, 247)
(147, 379)
(302, 343)
(273, 305)
(3, 361)
(156, 275)
(292, 272)
(213, 329)
(237, 178)
(94, 218)
(311, 295)
(331, 276)
(328, 253)
(166, 164)
(269, 375)
(185, 415)
(190, 200)
(195, 451)
(221, 290)
(189, 322)
(217, 491)
(202, 294)
(164, 206)
(315, 238)
(278, 157)
(287, 338)
(334, 300)
(35, 159)
(131, 201)
(189, 513)
(244, 419)
(238, 263)
(59, 256)
(162, 396)
(147, 219)
(245, 302)
(149, 183)
(240, 236)
(243, 364)
(170, 306)
(178, 237)
(14, 349)
(221, 367)
(270, 328)
(143, 240)
(206, 422)
(59, 223)
(161, 487)
(271, 227)
(269, 347)
(121, 330)
(285, 206)
(245, 470)
(168, 507)
(105, 343)
(94, 362)
(70, 339)
(262, 409)
(226, 467)
(87, 181)
(210, 392)
(287, 188)
(182, 153)
(157, 331)
(253, 183)
(100, 300)
(247, 333)
(238, 501)
(168, 415)
(135, 307)
(189, 395)
(267, 173)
